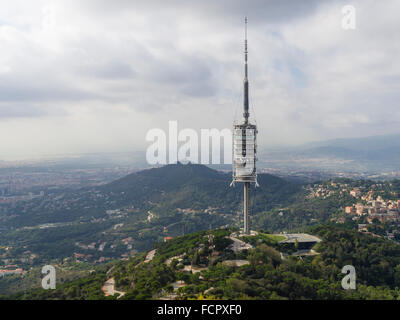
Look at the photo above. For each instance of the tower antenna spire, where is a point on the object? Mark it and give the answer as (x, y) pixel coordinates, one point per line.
(246, 80)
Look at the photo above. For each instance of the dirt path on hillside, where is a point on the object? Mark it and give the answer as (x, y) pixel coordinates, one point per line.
(109, 288)
(150, 255)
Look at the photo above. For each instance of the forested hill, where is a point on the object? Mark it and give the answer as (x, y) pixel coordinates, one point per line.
(197, 186)
(143, 207)
(261, 274)
(161, 189)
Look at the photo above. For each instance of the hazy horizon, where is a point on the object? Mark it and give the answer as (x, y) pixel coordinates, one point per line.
(63, 156)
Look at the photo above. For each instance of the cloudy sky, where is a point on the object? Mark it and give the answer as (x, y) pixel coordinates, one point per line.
(96, 75)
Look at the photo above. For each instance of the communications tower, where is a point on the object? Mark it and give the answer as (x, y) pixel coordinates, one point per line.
(245, 147)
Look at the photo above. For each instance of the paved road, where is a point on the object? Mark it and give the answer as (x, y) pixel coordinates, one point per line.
(301, 237)
(239, 245)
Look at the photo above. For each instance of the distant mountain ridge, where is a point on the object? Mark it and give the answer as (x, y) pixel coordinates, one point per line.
(368, 154)
(363, 143)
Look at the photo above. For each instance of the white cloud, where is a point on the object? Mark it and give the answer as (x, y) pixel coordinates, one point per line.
(79, 76)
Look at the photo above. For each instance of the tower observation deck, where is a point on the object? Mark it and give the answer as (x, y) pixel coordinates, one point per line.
(245, 147)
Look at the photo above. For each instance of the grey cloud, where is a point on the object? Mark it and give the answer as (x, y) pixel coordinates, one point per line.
(192, 70)
(109, 70)
(192, 75)
(131, 62)
(199, 90)
(35, 91)
(19, 111)
(260, 11)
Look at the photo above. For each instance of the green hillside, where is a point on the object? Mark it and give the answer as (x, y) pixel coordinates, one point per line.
(264, 276)
(126, 217)
(67, 222)
(198, 187)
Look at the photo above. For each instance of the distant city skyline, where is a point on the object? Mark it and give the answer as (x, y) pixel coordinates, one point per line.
(95, 76)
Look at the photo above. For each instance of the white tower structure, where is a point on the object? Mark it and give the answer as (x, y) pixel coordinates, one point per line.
(245, 148)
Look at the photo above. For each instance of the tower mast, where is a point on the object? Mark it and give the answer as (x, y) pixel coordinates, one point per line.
(246, 185)
(246, 80)
(244, 146)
